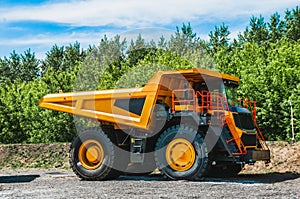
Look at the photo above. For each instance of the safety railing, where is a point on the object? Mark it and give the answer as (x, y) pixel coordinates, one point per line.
(216, 103)
(261, 138)
(238, 141)
(251, 105)
(212, 101)
(184, 97)
(202, 102)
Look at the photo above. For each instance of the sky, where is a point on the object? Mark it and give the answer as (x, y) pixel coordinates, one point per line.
(39, 24)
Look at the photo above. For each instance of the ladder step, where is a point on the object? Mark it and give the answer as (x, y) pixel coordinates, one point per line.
(137, 150)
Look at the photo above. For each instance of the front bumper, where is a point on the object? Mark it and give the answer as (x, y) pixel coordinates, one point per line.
(257, 155)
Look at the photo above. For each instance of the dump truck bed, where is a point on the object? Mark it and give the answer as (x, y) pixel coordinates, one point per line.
(127, 107)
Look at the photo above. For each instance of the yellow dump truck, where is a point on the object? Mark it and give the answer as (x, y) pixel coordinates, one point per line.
(187, 123)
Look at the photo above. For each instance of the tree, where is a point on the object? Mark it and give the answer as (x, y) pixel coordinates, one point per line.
(258, 31)
(162, 43)
(29, 67)
(24, 67)
(219, 38)
(4, 71)
(138, 49)
(183, 41)
(102, 66)
(54, 59)
(63, 58)
(276, 28)
(147, 67)
(293, 24)
(270, 76)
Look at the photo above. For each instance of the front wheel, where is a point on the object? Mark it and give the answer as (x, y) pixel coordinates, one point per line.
(93, 156)
(181, 154)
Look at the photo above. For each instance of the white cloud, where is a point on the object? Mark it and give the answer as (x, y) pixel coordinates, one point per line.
(87, 38)
(52, 39)
(147, 33)
(128, 15)
(42, 43)
(138, 13)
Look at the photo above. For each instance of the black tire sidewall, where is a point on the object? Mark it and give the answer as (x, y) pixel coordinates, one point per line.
(103, 170)
(193, 137)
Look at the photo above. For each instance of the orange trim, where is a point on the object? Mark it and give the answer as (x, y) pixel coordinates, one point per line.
(261, 138)
(181, 99)
(236, 134)
(249, 104)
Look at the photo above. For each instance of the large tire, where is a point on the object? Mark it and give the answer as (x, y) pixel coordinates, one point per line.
(181, 153)
(93, 156)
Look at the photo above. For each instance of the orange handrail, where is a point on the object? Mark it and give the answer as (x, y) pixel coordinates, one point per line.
(261, 138)
(238, 141)
(210, 101)
(214, 101)
(249, 104)
(191, 99)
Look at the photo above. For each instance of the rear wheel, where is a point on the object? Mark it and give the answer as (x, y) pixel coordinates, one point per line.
(93, 156)
(181, 154)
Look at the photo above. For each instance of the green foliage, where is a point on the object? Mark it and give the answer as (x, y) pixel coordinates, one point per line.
(219, 38)
(270, 77)
(266, 57)
(22, 120)
(139, 49)
(293, 24)
(63, 58)
(258, 31)
(24, 67)
(146, 68)
(276, 27)
(102, 66)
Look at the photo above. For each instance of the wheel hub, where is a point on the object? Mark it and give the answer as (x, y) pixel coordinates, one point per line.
(91, 154)
(180, 154)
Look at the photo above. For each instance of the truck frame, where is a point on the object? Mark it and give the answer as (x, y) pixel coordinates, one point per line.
(187, 123)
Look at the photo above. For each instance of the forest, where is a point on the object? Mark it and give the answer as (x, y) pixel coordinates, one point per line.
(265, 56)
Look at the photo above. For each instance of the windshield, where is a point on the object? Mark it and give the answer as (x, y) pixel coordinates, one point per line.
(231, 91)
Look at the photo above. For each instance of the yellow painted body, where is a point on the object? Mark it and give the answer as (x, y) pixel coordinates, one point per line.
(180, 154)
(100, 105)
(167, 97)
(113, 107)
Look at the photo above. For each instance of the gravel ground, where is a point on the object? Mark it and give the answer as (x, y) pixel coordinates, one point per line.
(64, 184)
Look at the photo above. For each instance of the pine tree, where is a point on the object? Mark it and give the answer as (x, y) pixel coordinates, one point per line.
(276, 28)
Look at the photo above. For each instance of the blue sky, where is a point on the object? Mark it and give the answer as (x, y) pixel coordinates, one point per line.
(39, 24)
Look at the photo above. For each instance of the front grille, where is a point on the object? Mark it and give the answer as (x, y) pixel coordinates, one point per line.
(237, 121)
(244, 121)
(249, 139)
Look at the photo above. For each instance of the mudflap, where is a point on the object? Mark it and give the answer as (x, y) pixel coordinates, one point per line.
(257, 155)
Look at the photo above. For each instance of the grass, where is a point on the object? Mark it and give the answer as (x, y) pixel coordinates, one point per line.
(44, 156)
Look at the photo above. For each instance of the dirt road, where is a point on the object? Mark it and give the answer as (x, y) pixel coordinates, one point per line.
(64, 184)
